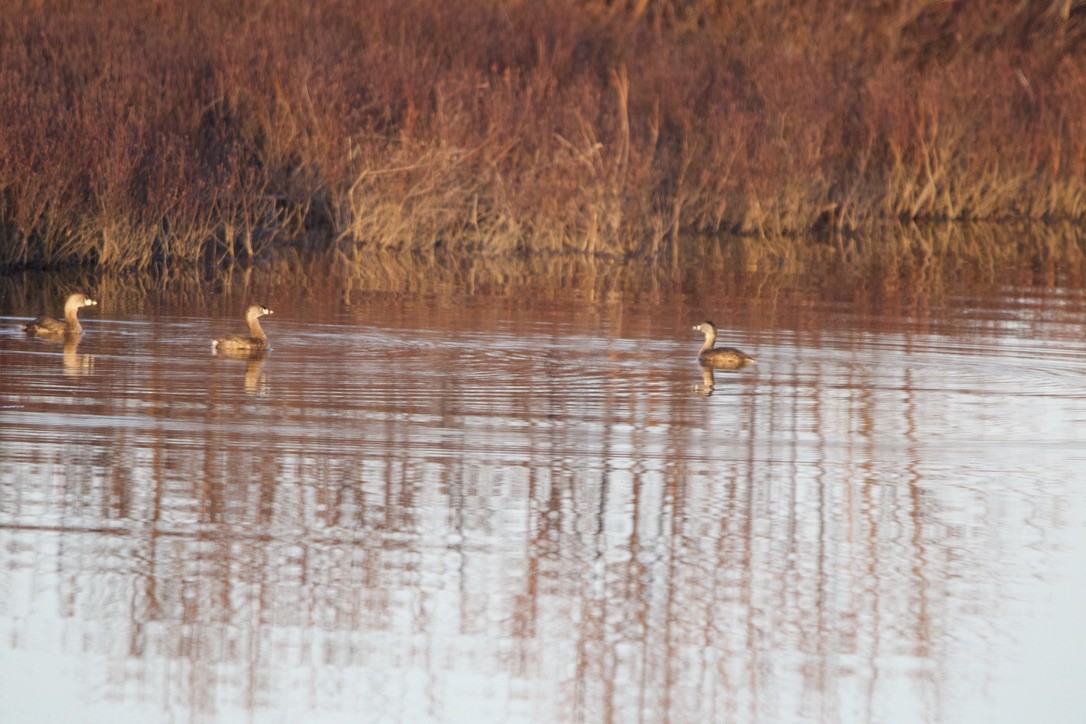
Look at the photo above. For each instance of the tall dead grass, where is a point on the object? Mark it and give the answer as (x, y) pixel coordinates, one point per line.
(140, 133)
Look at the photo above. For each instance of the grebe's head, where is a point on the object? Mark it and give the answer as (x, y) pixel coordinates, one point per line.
(705, 328)
(77, 300)
(258, 310)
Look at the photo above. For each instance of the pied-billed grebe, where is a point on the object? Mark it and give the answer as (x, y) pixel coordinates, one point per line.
(725, 358)
(255, 342)
(69, 327)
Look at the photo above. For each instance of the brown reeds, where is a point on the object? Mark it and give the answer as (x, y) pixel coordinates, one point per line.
(138, 133)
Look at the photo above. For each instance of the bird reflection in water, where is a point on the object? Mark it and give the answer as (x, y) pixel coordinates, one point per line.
(75, 364)
(708, 381)
(254, 378)
(708, 378)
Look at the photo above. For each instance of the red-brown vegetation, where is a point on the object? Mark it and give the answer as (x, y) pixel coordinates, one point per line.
(133, 132)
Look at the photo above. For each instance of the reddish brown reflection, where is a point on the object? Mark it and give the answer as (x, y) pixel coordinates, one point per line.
(483, 504)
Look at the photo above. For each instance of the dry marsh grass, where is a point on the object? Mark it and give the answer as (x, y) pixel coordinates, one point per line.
(139, 133)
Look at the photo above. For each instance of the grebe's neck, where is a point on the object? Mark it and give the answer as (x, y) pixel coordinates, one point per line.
(710, 339)
(71, 315)
(254, 327)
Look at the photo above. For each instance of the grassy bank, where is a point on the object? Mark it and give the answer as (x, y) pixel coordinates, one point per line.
(136, 132)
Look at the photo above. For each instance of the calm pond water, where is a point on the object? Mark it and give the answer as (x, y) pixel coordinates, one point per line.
(504, 493)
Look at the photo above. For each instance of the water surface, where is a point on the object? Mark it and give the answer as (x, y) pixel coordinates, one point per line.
(508, 494)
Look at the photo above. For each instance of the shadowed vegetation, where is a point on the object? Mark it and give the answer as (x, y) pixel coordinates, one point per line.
(138, 133)
(912, 269)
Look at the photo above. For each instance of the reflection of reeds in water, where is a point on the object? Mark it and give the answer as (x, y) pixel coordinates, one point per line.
(615, 552)
(624, 558)
(907, 266)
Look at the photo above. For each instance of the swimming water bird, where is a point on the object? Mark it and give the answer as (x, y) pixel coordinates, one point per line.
(724, 358)
(68, 327)
(256, 341)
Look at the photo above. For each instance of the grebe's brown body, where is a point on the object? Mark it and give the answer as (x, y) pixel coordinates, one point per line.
(257, 341)
(58, 328)
(722, 358)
